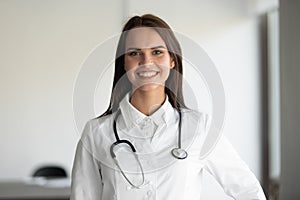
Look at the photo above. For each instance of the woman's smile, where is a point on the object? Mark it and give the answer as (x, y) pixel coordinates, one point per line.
(147, 74)
(147, 79)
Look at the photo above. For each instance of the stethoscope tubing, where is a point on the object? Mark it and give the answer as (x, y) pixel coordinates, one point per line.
(178, 152)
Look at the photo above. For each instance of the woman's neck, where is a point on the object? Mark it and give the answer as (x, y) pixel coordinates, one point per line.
(147, 102)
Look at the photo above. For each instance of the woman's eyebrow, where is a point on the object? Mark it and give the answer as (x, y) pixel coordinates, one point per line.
(138, 49)
(158, 47)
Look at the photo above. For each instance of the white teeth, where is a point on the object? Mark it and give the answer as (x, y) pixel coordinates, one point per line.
(147, 74)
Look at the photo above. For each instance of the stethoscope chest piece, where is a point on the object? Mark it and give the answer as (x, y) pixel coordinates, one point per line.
(179, 153)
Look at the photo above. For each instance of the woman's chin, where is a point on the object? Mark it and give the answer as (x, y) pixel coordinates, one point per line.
(148, 87)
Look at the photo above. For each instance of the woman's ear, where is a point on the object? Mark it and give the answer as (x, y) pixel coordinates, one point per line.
(172, 63)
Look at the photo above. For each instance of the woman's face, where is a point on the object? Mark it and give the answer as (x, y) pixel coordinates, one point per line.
(147, 60)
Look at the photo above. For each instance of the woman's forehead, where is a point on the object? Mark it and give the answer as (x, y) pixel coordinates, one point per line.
(143, 37)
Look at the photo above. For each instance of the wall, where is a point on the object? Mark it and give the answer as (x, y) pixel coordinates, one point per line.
(43, 44)
(290, 98)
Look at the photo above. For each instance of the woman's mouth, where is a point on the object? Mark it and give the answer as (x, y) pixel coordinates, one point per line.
(147, 74)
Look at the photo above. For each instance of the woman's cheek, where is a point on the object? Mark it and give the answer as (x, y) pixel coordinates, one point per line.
(130, 75)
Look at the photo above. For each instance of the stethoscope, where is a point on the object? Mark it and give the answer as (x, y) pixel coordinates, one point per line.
(178, 152)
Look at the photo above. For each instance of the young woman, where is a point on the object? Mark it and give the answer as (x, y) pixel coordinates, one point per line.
(147, 144)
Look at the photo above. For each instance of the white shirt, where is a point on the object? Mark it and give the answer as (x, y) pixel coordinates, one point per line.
(95, 175)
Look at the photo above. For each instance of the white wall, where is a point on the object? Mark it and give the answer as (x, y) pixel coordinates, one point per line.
(43, 44)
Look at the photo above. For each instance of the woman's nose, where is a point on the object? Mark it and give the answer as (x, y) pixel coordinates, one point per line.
(146, 59)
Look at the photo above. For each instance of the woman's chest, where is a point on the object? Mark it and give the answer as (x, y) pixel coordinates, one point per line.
(164, 176)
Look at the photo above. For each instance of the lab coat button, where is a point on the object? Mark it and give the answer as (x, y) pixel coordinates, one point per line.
(138, 120)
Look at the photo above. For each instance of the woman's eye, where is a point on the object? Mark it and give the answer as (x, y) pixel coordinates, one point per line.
(134, 53)
(157, 52)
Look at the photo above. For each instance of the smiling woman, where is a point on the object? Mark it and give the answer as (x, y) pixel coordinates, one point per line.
(147, 64)
(147, 144)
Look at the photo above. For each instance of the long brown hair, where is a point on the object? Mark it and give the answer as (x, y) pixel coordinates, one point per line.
(121, 84)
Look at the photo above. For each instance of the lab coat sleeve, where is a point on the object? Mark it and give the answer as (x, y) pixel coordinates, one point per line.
(232, 173)
(86, 174)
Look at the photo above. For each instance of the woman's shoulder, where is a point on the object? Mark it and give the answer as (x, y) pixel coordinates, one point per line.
(100, 121)
(96, 126)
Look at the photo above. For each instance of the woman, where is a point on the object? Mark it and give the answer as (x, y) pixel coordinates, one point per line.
(147, 114)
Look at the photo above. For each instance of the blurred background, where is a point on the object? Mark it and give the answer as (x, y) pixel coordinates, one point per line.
(44, 44)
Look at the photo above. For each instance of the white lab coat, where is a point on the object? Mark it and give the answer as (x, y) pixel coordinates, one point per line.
(95, 175)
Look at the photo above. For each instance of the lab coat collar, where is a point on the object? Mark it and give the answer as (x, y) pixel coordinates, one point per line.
(133, 117)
